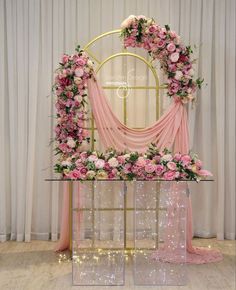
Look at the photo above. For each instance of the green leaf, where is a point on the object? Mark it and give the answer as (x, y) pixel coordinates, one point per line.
(167, 27)
(78, 48)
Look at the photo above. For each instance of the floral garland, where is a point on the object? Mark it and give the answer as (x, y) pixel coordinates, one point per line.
(70, 90)
(164, 45)
(151, 165)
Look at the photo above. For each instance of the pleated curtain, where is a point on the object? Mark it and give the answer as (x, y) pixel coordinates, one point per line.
(34, 34)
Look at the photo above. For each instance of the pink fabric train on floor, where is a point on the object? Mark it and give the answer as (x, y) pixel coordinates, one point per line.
(170, 131)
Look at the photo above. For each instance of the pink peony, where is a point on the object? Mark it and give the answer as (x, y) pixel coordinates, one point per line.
(169, 175)
(99, 163)
(150, 168)
(171, 165)
(186, 159)
(171, 47)
(174, 57)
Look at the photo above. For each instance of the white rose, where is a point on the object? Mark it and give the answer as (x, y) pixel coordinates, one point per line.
(113, 162)
(77, 80)
(92, 158)
(66, 163)
(191, 72)
(167, 157)
(87, 69)
(70, 142)
(127, 156)
(127, 21)
(90, 174)
(78, 98)
(90, 63)
(178, 75)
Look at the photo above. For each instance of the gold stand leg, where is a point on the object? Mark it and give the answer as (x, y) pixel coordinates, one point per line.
(70, 215)
(158, 186)
(125, 215)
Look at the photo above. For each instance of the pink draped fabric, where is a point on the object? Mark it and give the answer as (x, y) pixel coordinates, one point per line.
(171, 130)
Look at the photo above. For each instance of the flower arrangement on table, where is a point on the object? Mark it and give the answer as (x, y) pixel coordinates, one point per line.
(153, 164)
(164, 45)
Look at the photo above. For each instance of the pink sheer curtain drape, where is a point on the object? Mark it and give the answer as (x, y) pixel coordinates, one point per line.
(170, 131)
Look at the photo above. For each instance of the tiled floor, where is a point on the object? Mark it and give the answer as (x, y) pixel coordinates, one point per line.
(32, 266)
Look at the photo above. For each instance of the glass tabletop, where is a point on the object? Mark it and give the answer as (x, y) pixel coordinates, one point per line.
(126, 180)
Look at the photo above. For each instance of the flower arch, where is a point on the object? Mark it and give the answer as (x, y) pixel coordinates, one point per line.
(70, 88)
(164, 45)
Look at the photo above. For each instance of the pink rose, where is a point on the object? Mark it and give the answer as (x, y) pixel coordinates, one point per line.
(92, 158)
(75, 174)
(186, 159)
(65, 59)
(107, 166)
(173, 34)
(111, 175)
(152, 29)
(198, 163)
(80, 61)
(172, 67)
(171, 165)
(169, 175)
(83, 170)
(171, 47)
(174, 87)
(174, 57)
(99, 163)
(161, 43)
(159, 169)
(130, 41)
(127, 168)
(177, 157)
(150, 168)
(141, 162)
(121, 159)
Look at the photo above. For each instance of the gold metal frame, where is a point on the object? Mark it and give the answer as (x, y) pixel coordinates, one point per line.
(155, 87)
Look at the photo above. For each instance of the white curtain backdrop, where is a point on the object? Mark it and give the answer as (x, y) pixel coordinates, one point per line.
(34, 34)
